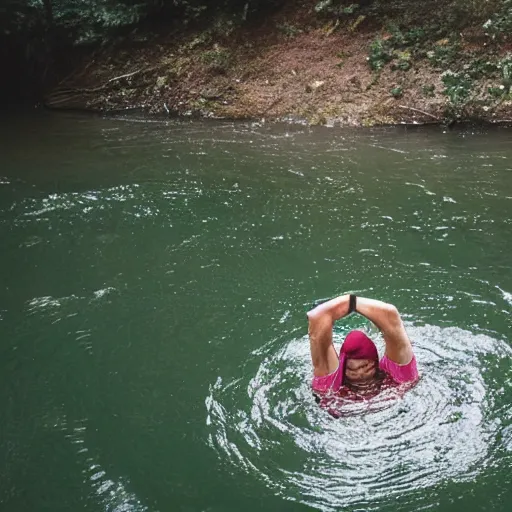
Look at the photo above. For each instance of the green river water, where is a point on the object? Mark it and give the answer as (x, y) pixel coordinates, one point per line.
(153, 343)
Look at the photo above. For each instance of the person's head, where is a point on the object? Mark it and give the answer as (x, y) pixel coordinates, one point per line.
(360, 371)
(360, 360)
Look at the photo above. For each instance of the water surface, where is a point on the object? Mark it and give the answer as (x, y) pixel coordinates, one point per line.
(155, 279)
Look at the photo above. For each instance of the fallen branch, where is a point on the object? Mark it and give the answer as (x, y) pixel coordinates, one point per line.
(124, 76)
(65, 99)
(58, 96)
(106, 85)
(420, 112)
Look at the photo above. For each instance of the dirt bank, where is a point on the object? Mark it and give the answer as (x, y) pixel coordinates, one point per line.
(351, 71)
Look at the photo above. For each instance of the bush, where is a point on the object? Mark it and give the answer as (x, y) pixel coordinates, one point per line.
(505, 65)
(482, 68)
(397, 92)
(445, 54)
(289, 30)
(403, 60)
(335, 8)
(499, 25)
(496, 92)
(381, 52)
(458, 86)
(217, 59)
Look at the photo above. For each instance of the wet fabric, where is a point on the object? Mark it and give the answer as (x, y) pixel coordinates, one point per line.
(358, 346)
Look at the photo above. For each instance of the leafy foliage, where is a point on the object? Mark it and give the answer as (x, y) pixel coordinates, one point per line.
(289, 30)
(76, 20)
(33, 32)
(499, 25)
(444, 54)
(505, 65)
(89, 21)
(381, 52)
(335, 8)
(403, 61)
(397, 92)
(217, 59)
(458, 86)
(481, 67)
(36, 36)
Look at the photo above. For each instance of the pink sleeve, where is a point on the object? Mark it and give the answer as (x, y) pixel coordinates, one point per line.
(331, 382)
(400, 373)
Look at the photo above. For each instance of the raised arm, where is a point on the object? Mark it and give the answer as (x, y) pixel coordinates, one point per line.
(387, 319)
(321, 320)
(384, 316)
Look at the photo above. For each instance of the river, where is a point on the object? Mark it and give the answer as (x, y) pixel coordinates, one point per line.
(155, 278)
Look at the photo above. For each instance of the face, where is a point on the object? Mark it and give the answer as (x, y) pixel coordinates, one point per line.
(360, 371)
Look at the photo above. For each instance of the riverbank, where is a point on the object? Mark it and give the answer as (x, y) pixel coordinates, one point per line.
(352, 70)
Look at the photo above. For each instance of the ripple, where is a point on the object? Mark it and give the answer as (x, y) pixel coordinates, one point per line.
(443, 429)
(110, 493)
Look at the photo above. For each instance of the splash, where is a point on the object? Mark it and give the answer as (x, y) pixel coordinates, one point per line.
(445, 428)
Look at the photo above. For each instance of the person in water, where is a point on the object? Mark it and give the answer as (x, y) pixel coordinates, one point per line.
(356, 370)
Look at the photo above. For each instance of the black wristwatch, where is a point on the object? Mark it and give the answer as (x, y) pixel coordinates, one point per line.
(352, 306)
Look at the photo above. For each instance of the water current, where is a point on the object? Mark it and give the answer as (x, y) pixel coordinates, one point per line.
(153, 339)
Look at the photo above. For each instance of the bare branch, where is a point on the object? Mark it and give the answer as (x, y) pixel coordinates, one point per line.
(420, 112)
(124, 76)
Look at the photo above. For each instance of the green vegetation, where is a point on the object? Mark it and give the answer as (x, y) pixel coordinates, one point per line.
(459, 42)
(289, 30)
(403, 60)
(216, 59)
(89, 21)
(397, 92)
(381, 52)
(458, 87)
(37, 35)
(444, 53)
(438, 37)
(499, 25)
(335, 8)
